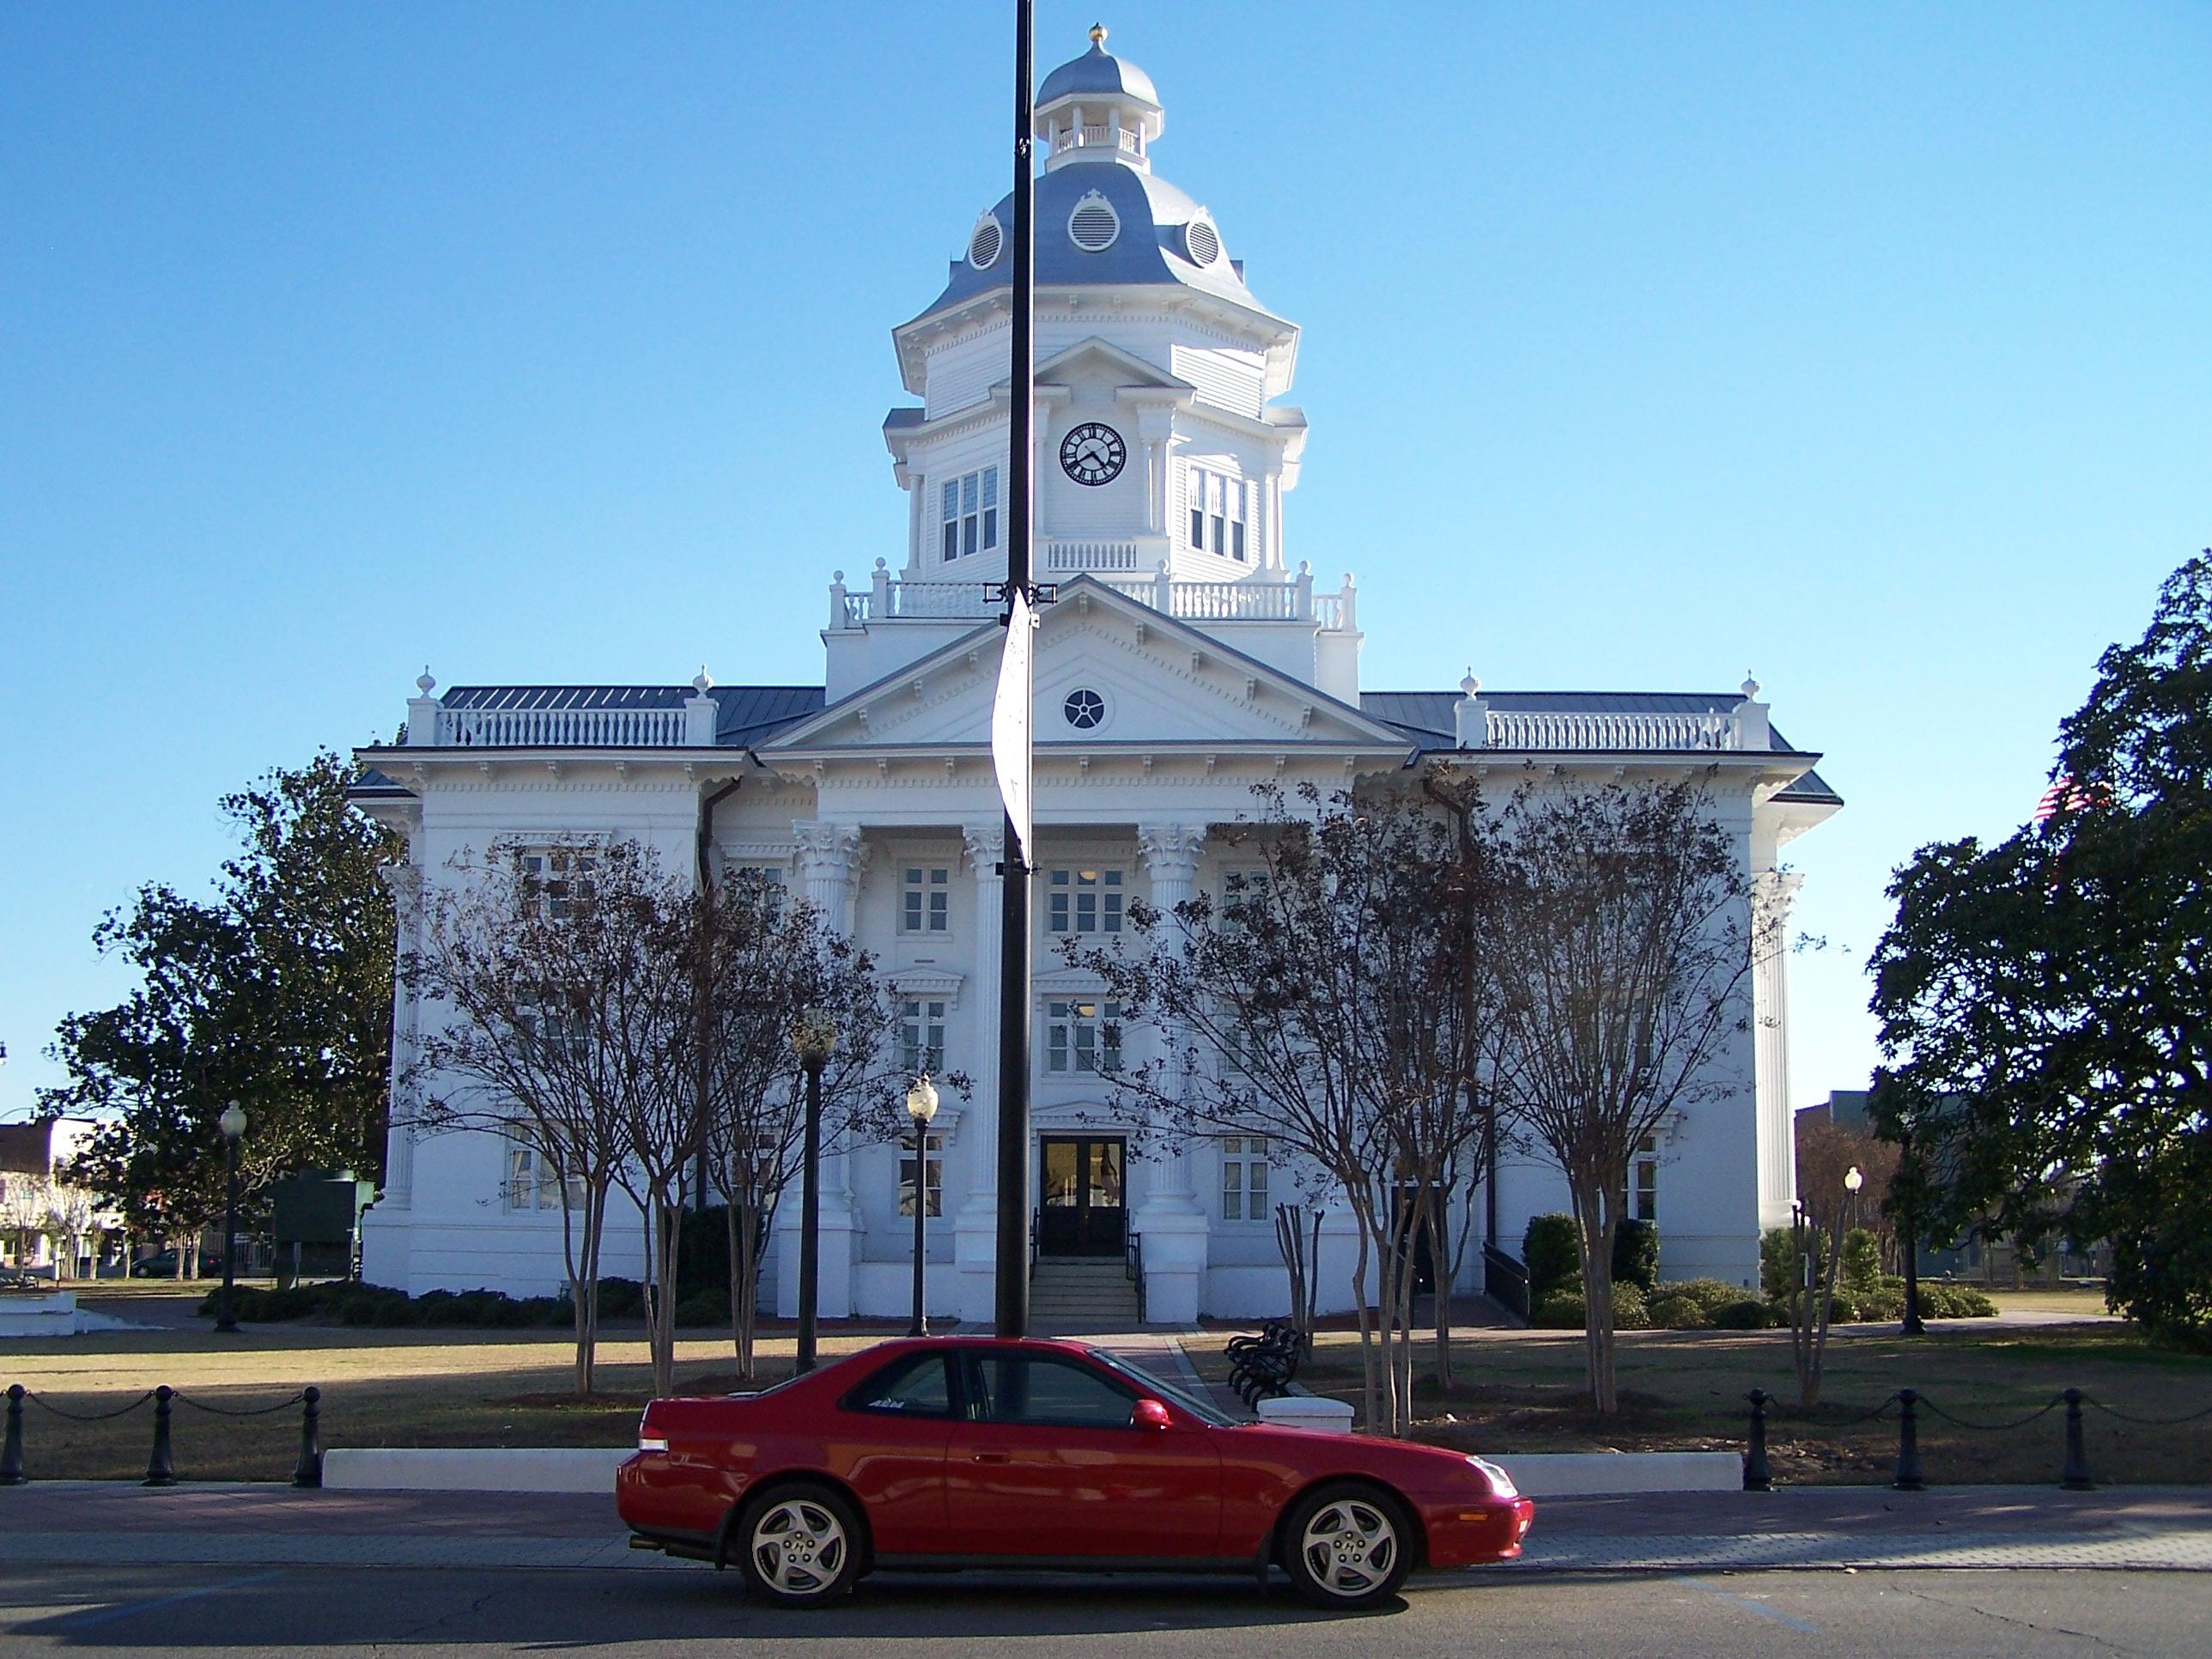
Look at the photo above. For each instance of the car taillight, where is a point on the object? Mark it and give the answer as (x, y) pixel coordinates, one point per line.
(650, 1437)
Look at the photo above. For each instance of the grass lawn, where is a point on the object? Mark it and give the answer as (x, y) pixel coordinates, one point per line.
(380, 1387)
(2058, 1299)
(1522, 1391)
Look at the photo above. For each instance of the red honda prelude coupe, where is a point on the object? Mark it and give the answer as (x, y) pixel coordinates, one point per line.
(949, 1452)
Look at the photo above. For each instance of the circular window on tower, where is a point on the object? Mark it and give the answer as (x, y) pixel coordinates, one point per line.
(1201, 241)
(1094, 224)
(983, 246)
(1084, 709)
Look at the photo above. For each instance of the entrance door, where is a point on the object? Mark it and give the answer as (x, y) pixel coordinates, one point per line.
(1081, 1211)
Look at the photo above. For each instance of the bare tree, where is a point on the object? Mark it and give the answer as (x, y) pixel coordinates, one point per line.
(1619, 940)
(1324, 1005)
(555, 997)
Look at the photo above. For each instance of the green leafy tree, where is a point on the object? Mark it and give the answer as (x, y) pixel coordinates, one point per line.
(275, 993)
(2046, 1003)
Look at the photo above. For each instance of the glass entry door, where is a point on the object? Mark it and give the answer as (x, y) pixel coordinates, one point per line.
(1082, 1212)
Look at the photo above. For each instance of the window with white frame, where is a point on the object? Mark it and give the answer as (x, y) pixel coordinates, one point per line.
(1219, 506)
(1081, 1035)
(768, 881)
(563, 1032)
(1241, 890)
(921, 1035)
(924, 898)
(1244, 1178)
(967, 512)
(1641, 1201)
(1083, 901)
(556, 877)
(533, 1184)
(933, 1176)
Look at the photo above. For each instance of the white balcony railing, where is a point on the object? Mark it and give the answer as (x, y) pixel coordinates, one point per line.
(1606, 732)
(1259, 597)
(1097, 135)
(544, 728)
(1089, 556)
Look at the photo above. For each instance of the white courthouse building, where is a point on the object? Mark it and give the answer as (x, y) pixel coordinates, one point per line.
(1192, 653)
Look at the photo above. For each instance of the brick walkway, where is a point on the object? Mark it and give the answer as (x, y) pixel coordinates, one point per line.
(2152, 1529)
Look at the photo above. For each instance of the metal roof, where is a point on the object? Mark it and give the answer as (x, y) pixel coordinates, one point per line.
(1096, 71)
(747, 714)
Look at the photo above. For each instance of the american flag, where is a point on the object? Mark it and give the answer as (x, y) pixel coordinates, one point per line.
(2066, 796)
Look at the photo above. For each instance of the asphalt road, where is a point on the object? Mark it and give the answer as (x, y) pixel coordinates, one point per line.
(167, 1611)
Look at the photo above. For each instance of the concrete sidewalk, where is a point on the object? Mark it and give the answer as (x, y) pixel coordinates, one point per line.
(2153, 1529)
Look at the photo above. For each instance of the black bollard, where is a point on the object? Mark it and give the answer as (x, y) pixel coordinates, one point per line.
(2076, 1475)
(161, 1471)
(1908, 1443)
(1757, 1476)
(309, 1470)
(11, 1454)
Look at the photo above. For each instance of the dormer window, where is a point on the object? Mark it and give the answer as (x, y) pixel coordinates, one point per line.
(1219, 508)
(970, 507)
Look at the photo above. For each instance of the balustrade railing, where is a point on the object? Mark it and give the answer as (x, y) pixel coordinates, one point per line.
(1570, 729)
(613, 728)
(1090, 556)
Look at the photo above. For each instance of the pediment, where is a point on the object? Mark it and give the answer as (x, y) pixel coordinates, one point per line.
(1156, 682)
(1096, 352)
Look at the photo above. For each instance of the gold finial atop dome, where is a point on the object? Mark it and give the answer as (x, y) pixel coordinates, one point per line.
(1099, 36)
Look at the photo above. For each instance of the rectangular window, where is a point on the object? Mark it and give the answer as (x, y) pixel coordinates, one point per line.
(925, 899)
(967, 512)
(766, 883)
(1078, 901)
(934, 1158)
(531, 1183)
(1219, 513)
(1244, 1178)
(921, 1035)
(1081, 1035)
(1641, 1201)
(556, 877)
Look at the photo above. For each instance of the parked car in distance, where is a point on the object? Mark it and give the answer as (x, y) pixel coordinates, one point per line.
(945, 1452)
(162, 1264)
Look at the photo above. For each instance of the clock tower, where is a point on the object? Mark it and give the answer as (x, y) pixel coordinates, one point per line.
(1161, 452)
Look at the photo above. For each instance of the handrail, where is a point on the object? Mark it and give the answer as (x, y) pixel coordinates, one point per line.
(1506, 1280)
(1132, 1266)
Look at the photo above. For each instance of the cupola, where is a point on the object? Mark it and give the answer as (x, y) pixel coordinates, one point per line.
(1098, 107)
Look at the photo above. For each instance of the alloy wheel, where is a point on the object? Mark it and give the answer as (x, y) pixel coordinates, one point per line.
(798, 1548)
(1350, 1547)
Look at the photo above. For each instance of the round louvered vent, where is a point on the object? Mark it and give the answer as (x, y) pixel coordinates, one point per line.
(983, 246)
(1203, 242)
(1094, 224)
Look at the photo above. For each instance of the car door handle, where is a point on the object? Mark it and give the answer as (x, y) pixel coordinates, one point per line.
(994, 1457)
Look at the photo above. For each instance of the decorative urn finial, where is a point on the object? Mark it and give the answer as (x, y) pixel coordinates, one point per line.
(1099, 36)
(1470, 685)
(423, 683)
(1750, 687)
(702, 683)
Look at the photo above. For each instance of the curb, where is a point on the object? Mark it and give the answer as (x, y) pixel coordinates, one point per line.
(487, 1468)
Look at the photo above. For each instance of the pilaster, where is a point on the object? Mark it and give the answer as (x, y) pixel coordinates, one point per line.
(1173, 1228)
(1773, 893)
(975, 1227)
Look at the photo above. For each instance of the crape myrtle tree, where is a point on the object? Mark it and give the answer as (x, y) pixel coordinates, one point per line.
(1619, 940)
(766, 959)
(274, 992)
(2046, 1003)
(1323, 1003)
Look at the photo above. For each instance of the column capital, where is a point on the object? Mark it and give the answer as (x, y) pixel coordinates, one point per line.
(984, 847)
(837, 845)
(406, 881)
(1171, 850)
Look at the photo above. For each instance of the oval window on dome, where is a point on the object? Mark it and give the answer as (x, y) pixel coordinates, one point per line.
(983, 246)
(1094, 224)
(1203, 242)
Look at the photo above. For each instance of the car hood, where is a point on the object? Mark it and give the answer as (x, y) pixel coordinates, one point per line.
(1405, 1462)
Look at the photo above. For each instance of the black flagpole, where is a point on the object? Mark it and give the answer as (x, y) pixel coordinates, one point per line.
(1013, 1264)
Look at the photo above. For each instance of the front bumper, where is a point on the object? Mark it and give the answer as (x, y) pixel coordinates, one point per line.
(1467, 1532)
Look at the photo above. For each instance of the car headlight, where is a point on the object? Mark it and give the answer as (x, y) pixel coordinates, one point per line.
(1501, 1483)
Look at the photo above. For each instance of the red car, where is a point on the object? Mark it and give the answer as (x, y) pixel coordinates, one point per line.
(948, 1452)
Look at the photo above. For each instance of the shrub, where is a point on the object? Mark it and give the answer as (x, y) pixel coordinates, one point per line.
(1707, 1293)
(1672, 1310)
(1745, 1312)
(1940, 1301)
(1552, 1251)
(1562, 1311)
(621, 1299)
(708, 1307)
(1862, 1259)
(1778, 1271)
(1635, 1255)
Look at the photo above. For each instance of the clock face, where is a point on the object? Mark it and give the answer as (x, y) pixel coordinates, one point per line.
(1093, 454)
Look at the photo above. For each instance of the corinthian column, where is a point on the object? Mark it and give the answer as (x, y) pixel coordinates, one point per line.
(974, 1227)
(830, 859)
(406, 881)
(1773, 893)
(1172, 1228)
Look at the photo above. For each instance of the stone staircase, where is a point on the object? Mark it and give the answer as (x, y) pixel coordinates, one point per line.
(1086, 1293)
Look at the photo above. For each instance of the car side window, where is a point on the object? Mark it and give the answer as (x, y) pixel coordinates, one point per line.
(1033, 1388)
(916, 1386)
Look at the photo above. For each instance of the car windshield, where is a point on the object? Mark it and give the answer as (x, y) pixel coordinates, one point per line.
(1204, 1411)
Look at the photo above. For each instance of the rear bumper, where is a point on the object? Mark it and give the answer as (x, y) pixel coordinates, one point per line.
(1466, 1534)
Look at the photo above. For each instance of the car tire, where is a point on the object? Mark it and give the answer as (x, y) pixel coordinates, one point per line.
(797, 1545)
(1346, 1545)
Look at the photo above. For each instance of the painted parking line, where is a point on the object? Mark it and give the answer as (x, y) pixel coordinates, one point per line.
(107, 1615)
(1757, 1606)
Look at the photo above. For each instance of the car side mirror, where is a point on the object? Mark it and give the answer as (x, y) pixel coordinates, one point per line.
(1150, 1414)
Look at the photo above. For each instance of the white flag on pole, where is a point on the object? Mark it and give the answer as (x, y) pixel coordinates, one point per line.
(1010, 724)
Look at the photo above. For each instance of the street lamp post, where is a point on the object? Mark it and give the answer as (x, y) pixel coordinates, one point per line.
(812, 1039)
(920, 1106)
(233, 1124)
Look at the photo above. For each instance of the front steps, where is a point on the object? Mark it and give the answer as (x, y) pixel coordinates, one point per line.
(1089, 1293)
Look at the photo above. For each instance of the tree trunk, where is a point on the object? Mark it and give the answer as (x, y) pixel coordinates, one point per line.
(1446, 1271)
(1371, 1397)
(1595, 1233)
(663, 1219)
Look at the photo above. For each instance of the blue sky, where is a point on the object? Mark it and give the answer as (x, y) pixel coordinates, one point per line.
(1866, 346)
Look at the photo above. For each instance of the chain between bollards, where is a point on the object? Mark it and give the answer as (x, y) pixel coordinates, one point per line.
(161, 1467)
(12, 1455)
(309, 1470)
(1908, 1443)
(1757, 1476)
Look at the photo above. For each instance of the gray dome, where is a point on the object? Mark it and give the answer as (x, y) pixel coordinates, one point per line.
(1096, 72)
